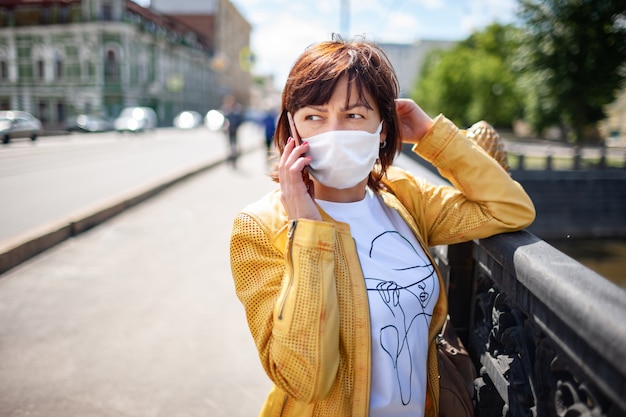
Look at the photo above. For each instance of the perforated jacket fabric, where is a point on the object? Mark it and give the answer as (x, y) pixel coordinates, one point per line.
(303, 291)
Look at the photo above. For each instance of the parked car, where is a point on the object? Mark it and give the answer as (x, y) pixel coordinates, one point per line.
(215, 120)
(18, 124)
(136, 119)
(88, 123)
(187, 119)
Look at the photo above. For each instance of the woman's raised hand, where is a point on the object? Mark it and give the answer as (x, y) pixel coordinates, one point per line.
(296, 187)
(414, 122)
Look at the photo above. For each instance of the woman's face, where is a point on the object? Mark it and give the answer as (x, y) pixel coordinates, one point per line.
(335, 115)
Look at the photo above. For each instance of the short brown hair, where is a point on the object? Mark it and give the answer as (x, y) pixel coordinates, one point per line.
(315, 74)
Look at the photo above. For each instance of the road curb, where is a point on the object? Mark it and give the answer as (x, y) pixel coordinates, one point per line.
(19, 249)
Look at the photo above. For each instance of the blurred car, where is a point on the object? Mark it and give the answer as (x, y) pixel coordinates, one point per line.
(136, 119)
(187, 119)
(18, 124)
(88, 123)
(215, 120)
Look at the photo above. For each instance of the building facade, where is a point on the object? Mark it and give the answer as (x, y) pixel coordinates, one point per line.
(229, 34)
(408, 58)
(59, 58)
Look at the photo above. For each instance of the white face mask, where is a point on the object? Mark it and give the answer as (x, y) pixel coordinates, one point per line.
(343, 158)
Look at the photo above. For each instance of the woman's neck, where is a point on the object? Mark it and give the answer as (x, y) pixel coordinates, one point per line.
(348, 195)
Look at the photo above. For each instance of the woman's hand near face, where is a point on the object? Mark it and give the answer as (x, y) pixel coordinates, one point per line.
(414, 122)
(296, 188)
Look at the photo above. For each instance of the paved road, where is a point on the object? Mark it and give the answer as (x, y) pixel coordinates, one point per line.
(66, 184)
(56, 177)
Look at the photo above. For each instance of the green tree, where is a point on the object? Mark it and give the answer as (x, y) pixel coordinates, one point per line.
(573, 62)
(443, 87)
(474, 80)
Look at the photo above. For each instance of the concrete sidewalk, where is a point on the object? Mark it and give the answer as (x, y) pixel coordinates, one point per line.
(138, 316)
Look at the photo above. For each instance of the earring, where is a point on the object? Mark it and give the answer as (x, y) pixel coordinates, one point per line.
(383, 144)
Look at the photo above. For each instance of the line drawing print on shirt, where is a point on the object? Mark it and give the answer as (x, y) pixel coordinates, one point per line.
(397, 337)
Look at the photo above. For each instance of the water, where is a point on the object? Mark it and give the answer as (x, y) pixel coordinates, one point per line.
(607, 257)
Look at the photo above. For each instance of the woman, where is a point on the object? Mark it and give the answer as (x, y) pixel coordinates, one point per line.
(341, 295)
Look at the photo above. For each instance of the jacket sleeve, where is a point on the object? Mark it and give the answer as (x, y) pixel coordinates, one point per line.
(484, 201)
(290, 302)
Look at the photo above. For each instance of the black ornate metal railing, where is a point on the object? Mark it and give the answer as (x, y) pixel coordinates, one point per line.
(547, 334)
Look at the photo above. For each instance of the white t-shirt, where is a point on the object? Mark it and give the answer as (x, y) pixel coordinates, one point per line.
(402, 288)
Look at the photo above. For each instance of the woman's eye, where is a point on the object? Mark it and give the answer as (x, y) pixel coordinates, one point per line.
(355, 116)
(312, 117)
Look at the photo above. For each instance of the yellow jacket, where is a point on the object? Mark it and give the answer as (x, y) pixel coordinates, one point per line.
(303, 291)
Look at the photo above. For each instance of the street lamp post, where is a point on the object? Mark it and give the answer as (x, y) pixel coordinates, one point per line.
(345, 18)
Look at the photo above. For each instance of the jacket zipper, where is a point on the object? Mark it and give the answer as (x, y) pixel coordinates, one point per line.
(292, 228)
(282, 409)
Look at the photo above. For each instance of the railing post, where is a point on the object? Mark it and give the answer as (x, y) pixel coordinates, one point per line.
(549, 160)
(577, 158)
(461, 265)
(602, 162)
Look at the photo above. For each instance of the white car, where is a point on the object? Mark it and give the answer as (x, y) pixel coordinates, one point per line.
(18, 124)
(136, 119)
(188, 119)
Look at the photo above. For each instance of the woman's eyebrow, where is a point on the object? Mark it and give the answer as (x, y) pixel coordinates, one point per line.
(317, 108)
(355, 105)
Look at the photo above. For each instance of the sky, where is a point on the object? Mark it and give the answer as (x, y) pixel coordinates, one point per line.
(281, 29)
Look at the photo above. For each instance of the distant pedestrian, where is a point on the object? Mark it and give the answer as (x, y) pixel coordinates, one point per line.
(269, 124)
(234, 117)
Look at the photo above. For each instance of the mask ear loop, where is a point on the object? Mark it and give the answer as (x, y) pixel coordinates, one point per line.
(382, 146)
(380, 128)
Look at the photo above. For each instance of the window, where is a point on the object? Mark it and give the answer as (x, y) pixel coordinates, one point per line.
(40, 69)
(42, 108)
(4, 64)
(58, 65)
(107, 12)
(111, 70)
(44, 15)
(38, 54)
(64, 14)
(4, 70)
(86, 62)
(61, 111)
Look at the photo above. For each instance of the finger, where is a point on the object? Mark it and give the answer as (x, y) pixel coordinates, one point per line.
(298, 164)
(290, 145)
(293, 161)
(403, 105)
(292, 129)
(293, 152)
(305, 170)
(286, 152)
